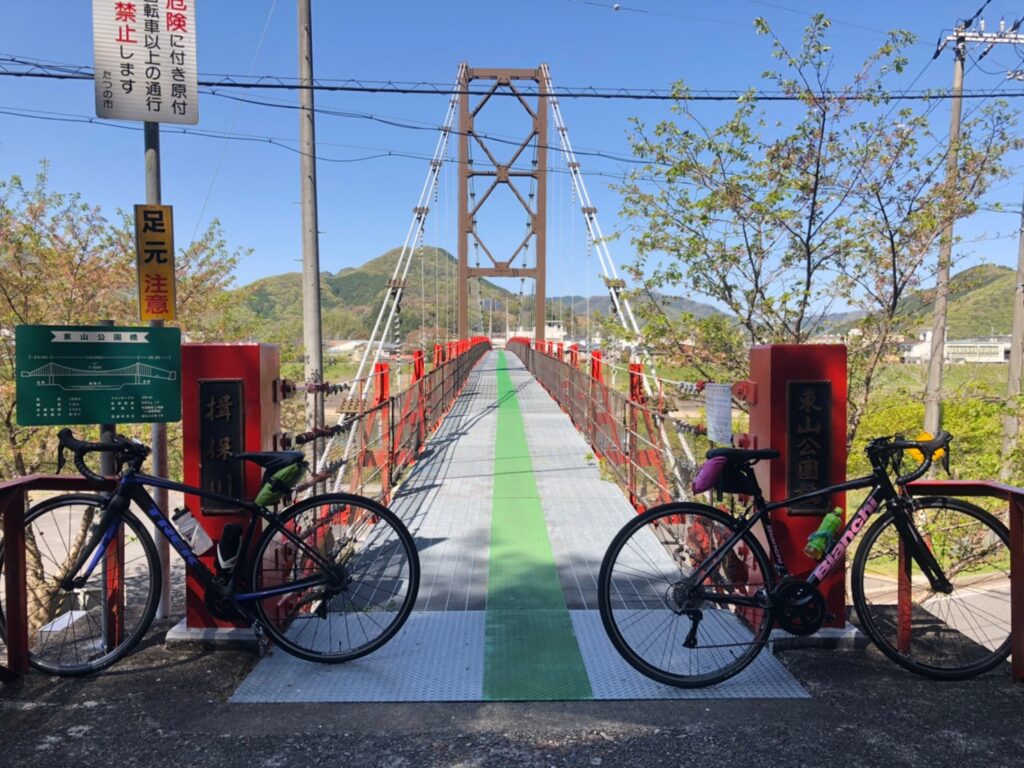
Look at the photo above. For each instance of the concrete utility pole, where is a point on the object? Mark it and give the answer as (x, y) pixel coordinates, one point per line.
(933, 390)
(1011, 422)
(311, 334)
(960, 38)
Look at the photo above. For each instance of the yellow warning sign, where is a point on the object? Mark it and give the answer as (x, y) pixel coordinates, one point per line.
(154, 246)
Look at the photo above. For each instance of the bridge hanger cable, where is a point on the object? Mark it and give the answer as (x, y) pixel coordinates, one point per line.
(613, 281)
(396, 285)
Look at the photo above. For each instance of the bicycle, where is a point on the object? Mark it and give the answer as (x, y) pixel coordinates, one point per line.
(330, 578)
(688, 595)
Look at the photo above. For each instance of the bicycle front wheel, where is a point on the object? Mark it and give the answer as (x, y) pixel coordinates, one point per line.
(948, 636)
(89, 627)
(665, 624)
(353, 571)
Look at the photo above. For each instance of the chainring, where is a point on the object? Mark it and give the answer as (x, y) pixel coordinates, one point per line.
(798, 607)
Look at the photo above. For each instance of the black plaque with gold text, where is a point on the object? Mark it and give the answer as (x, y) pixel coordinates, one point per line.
(221, 435)
(809, 437)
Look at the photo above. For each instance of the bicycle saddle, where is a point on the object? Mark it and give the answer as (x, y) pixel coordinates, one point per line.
(744, 454)
(272, 460)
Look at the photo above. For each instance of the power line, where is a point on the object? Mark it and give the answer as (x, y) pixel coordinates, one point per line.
(588, 92)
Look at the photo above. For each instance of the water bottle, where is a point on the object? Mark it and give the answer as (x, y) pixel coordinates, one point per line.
(191, 531)
(819, 542)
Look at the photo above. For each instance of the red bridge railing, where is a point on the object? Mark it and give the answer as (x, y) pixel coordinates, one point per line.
(624, 429)
(1014, 497)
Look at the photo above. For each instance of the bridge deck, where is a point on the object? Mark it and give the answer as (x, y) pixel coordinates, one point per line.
(511, 519)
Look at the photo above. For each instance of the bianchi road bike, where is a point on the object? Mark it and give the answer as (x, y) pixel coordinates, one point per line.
(688, 594)
(328, 579)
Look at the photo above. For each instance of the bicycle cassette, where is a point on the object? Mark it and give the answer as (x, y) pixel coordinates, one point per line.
(798, 607)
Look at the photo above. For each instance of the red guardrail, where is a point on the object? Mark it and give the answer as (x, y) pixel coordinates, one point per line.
(1015, 498)
(13, 505)
(624, 431)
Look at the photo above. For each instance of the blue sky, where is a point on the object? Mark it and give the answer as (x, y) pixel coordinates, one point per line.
(365, 205)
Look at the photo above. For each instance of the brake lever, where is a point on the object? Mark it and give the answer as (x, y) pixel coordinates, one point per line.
(61, 458)
(945, 460)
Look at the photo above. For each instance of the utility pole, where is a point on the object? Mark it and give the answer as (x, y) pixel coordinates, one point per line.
(1011, 421)
(158, 430)
(311, 334)
(961, 36)
(933, 390)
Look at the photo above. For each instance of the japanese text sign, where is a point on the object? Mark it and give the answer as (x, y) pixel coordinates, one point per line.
(145, 60)
(97, 374)
(718, 401)
(809, 436)
(221, 435)
(154, 247)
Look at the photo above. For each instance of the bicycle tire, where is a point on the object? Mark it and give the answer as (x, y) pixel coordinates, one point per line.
(67, 632)
(945, 637)
(638, 595)
(362, 603)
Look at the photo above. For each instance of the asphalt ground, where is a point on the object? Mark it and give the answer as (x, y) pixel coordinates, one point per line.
(168, 706)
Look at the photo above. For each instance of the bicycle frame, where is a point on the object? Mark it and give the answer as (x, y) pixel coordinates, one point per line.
(882, 491)
(132, 487)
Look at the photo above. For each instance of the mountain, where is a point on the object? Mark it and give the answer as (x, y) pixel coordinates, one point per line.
(980, 301)
(673, 305)
(351, 298)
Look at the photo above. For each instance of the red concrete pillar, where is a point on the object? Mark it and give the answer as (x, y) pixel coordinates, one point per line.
(800, 410)
(574, 355)
(229, 405)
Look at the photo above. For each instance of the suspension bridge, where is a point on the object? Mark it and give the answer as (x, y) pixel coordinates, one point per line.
(512, 461)
(67, 377)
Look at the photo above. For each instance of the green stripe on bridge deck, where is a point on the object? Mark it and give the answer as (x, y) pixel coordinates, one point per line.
(531, 651)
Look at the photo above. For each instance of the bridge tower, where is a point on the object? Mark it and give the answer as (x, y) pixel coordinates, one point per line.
(503, 173)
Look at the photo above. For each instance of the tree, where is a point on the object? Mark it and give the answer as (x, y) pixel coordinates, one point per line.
(782, 222)
(63, 262)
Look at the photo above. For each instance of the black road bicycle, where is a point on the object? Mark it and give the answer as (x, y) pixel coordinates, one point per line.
(689, 596)
(330, 578)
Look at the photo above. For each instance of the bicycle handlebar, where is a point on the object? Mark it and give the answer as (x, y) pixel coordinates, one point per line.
(928, 448)
(125, 448)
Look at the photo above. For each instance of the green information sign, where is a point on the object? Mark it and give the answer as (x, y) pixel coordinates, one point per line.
(96, 374)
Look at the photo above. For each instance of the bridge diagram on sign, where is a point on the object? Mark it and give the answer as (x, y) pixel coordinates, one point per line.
(71, 379)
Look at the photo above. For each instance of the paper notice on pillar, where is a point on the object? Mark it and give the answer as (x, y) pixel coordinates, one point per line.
(718, 401)
(145, 60)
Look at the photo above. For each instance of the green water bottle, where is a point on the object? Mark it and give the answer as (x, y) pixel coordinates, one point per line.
(819, 542)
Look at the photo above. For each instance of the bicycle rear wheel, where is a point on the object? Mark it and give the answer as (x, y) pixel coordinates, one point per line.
(649, 601)
(82, 630)
(355, 573)
(944, 636)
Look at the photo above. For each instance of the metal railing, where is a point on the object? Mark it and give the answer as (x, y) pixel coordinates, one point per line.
(384, 433)
(624, 429)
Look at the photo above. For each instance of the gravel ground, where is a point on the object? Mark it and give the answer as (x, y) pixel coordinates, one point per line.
(169, 706)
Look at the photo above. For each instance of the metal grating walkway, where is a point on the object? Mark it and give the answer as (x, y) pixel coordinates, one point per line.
(443, 652)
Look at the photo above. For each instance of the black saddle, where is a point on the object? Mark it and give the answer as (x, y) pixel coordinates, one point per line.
(272, 461)
(744, 454)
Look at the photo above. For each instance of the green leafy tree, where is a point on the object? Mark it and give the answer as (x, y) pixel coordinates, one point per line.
(63, 262)
(835, 201)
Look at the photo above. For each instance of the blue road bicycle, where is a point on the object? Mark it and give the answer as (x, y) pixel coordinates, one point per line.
(328, 579)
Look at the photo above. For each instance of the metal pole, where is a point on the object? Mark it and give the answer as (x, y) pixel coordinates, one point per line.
(465, 217)
(1011, 421)
(933, 390)
(107, 468)
(311, 334)
(158, 431)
